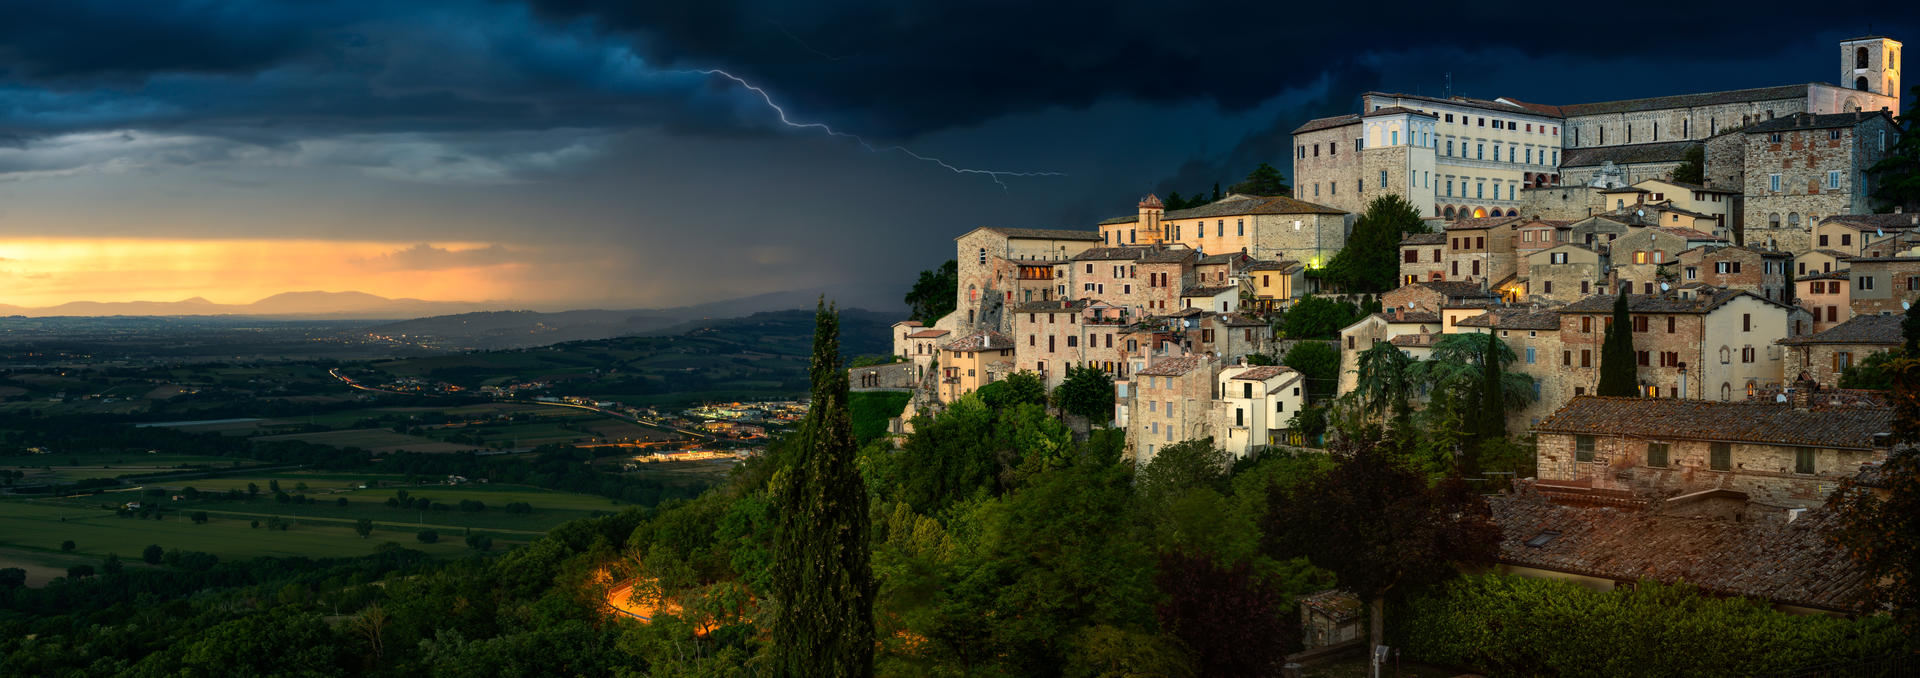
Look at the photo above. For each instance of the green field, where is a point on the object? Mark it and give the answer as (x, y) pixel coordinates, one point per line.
(372, 439)
(40, 527)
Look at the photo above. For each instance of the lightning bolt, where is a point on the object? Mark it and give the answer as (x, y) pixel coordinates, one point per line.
(766, 98)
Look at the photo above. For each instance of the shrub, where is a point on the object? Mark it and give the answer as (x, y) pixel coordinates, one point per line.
(67, 545)
(427, 536)
(1507, 625)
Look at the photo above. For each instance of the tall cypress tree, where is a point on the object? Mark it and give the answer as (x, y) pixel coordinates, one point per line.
(822, 581)
(1493, 410)
(1618, 374)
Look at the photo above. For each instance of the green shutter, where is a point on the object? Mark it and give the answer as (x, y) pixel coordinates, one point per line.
(1657, 454)
(1583, 448)
(1720, 457)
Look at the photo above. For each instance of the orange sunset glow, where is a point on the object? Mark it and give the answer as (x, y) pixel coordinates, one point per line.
(45, 272)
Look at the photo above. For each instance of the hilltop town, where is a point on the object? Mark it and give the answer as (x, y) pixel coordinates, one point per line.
(1729, 237)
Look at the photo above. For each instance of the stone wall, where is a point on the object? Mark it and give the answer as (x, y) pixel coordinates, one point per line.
(1763, 472)
(1332, 160)
(1568, 202)
(1675, 124)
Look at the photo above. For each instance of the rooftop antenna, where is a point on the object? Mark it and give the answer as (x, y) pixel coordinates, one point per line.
(1449, 85)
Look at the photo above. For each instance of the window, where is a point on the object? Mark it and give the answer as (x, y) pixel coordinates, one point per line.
(1803, 460)
(1669, 324)
(1530, 353)
(1746, 354)
(1746, 322)
(1586, 357)
(1833, 179)
(1583, 448)
(1864, 282)
(1566, 358)
(1383, 179)
(1720, 456)
(1833, 134)
(1640, 323)
(1657, 455)
(983, 256)
(1773, 182)
(1640, 358)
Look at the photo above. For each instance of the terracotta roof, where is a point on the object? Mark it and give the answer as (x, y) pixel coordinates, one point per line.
(1835, 275)
(1624, 189)
(1252, 205)
(1712, 249)
(1044, 233)
(1514, 319)
(982, 340)
(1169, 367)
(1401, 315)
(1049, 306)
(1868, 222)
(1654, 303)
(1740, 422)
(1494, 105)
(1423, 239)
(1131, 218)
(1812, 121)
(1480, 223)
(911, 323)
(1837, 254)
(928, 334)
(1200, 291)
(1782, 562)
(1270, 266)
(1664, 151)
(1318, 124)
(1421, 340)
(1454, 289)
(1227, 258)
(1882, 330)
(1557, 224)
(1143, 254)
(1237, 320)
(1686, 100)
(1881, 260)
(1150, 201)
(1688, 233)
(1395, 110)
(1261, 373)
(1694, 187)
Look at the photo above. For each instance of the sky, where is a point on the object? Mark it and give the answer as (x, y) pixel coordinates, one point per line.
(572, 153)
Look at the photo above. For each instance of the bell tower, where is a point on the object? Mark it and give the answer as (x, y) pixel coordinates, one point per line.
(1871, 64)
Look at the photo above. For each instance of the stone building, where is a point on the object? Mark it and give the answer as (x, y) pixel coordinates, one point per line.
(1571, 202)
(923, 348)
(1481, 250)
(1712, 346)
(1422, 257)
(1142, 280)
(977, 359)
(1806, 166)
(1212, 298)
(1823, 356)
(1229, 336)
(1827, 296)
(901, 330)
(1648, 256)
(1172, 401)
(999, 266)
(1254, 407)
(1565, 273)
(1818, 261)
(1883, 284)
(1784, 455)
(1628, 164)
(1454, 157)
(1275, 284)
(1762, 272)
(1262, 227)
(1433, 296)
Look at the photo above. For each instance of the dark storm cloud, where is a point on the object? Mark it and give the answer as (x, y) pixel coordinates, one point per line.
(917, 66)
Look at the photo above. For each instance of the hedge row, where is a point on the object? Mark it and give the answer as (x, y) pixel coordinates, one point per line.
(1515, 626)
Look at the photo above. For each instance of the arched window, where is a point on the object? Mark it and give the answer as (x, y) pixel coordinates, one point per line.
(1860, 83)
(1773, 220)
(983, 256)
(973, 294)
(1859, 57)
(1449, 212)
(1479, 212)
(1726, 391)
(1726, 355)
(1513, 212)
(1793, 219)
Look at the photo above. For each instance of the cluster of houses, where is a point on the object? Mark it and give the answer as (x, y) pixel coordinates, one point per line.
(1749, 294)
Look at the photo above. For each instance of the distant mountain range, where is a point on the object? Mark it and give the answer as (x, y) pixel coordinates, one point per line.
(521, 329)
(360, 305)
(296, 304)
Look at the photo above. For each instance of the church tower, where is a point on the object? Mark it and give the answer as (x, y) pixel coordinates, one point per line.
(1871, 64)
(1149, 224)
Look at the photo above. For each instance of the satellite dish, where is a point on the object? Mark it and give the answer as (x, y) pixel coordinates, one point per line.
(1663, 287)
(1639, 213)
(1780, 397)
(1905, 306)
(1877, 233)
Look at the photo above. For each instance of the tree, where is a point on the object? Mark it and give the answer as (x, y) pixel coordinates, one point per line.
(1493, 403)
(363, 527)
(253, 490)
(340, 502)
(67, 545)
(1380, 528)
(823, 584)
(1187, 464)
(1619, 374)
(199, 517)
(1910, 330)
(1263, 180)
(1318, 363)
(112, 564)
(1231, 622)
(152, 553)
(12, 578)
(1897, 176)
(1086, 392)
(1318, 317)
(1878, 518)
(1019, 387)
(273, 486)
(427, 536)
(479, 542)
(1693, 166)
(1384, 382)
(1370, 261)
(934, 295)
(79, 571)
